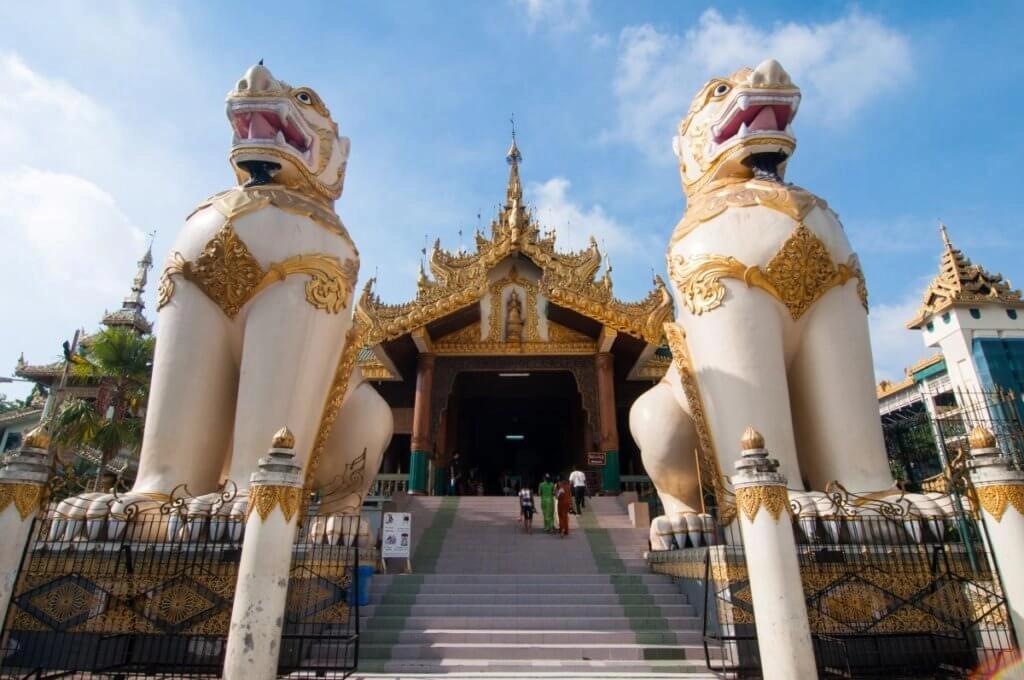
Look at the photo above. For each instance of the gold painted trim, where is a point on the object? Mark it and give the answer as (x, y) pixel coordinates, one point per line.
(707, 455)
(797, 275)
(790, 200)
(354, 341)
(228, 273)
(996, 498)
(239, 201)
(27, 498)
(263, 498)
(773, 497)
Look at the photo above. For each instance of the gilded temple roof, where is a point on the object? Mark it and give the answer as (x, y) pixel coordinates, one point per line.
(568, 279)
(960, 282)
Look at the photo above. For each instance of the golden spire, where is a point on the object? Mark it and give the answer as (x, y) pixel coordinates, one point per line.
(981, 438)
(37, 438)
(283, 439)
(960, 282)
(751, 439)
(514, 194)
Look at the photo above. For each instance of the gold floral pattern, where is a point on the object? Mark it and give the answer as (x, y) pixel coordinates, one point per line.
(27, 498)
(773, 497)
(228, 273)
(263, 498)
(797, 276)
(996, 498)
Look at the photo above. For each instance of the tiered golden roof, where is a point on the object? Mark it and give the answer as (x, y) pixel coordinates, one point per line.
(962, 283)
(569, 279)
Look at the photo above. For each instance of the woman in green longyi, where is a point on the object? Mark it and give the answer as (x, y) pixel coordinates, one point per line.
(547, 503)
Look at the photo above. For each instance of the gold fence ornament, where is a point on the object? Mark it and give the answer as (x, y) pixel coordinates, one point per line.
(797, 275)
(773, 497)
(263, 498)
(27, 498)
(228, 273)
(996, 498)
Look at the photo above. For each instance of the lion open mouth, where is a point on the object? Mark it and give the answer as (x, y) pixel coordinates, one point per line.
(757, 115)
(266, 125)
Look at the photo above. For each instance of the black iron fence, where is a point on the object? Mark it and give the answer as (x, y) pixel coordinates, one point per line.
(890, 591)
(148, 592)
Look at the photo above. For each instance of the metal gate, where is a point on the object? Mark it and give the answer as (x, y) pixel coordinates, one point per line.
(150, 594)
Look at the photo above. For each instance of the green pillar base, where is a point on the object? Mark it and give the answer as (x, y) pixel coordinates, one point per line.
(418, 472)
(610, 483)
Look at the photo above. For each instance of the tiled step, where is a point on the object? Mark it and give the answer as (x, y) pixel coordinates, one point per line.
(521, 611)
(502, 601)
(460, 579)
(566, 587)
(598, 623)
(529, 652)
(527, 637)
(475, 668)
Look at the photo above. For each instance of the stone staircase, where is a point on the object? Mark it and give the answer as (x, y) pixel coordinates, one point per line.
(486, 598)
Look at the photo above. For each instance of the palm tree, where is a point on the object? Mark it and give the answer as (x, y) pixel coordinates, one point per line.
(120, 361)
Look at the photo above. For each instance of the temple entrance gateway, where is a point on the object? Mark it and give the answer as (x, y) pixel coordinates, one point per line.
(516, 356)
(511, 428)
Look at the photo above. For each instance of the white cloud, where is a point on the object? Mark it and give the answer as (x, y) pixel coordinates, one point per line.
(840, 66)
(573, 224)
(600, 41)
(559, 16)
(893, 346)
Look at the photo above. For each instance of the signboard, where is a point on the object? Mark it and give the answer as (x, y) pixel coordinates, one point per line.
(596, 459)
(396, 535)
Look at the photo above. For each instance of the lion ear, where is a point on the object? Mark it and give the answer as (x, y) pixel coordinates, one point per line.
(677, 146)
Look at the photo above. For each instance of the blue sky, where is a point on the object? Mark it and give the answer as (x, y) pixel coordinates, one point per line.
(112, 125)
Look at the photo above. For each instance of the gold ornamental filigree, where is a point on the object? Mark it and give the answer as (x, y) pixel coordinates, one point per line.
(773, 497)
(27, 498)
(707, 455)
(561, 340)
(797, 276)
(789, 200)
(354, 341)
(228, 273)
(495, 324)
(263, 498)
(996, 498)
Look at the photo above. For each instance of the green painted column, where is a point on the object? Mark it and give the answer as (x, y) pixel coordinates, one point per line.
(440, 480)
(418, 472)
(419, 482)
(610, 482)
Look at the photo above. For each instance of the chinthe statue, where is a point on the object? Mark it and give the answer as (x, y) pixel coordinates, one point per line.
(771, 328)
(256, 330)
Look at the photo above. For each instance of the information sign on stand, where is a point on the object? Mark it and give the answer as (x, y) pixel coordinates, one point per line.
(396, 537)
(596, 458)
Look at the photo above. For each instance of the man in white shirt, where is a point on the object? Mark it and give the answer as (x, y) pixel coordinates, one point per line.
(579, 489)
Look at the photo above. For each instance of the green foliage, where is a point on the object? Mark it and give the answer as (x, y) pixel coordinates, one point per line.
(10, 404)
(121, 362)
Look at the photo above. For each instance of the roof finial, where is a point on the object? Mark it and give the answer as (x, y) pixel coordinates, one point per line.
(514, 195)
(945, 235)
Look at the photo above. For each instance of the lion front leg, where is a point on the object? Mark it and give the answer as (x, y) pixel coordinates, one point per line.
(350, 462)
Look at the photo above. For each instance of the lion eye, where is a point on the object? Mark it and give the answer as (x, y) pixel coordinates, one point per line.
(304, 98)
(721, 89)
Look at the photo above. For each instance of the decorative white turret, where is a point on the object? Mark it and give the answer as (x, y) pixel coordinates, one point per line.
(130, 314)
(969, 314)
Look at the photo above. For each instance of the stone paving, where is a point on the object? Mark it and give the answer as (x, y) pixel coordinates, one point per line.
(488, 600)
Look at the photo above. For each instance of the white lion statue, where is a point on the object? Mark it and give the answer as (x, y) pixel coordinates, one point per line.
(256, 331)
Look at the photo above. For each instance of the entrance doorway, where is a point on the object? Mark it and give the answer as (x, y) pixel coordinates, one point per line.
(511, 428)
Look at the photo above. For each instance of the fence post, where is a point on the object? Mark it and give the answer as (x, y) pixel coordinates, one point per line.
(780, 614)
(257, 616)
(1001, 497)
(23, 481)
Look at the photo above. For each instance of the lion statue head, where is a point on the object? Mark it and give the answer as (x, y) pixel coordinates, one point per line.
(738, 127)
(286, 135)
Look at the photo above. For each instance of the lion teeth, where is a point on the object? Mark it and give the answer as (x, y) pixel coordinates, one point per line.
(789, 130)
(280, 138)
(743, 131)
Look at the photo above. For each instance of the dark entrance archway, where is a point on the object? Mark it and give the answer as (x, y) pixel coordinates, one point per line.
(511, 427)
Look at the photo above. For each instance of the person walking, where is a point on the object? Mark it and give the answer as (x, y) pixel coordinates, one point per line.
(526, 508)
(547, 503)
(578, 480)
(564, 496)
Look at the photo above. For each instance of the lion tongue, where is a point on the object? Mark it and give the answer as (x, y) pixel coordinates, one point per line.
(261, 128)
(765, 120)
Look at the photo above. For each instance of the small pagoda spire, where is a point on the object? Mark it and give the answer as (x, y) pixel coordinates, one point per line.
(945, 236)
(514, 194)
(132, 307)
